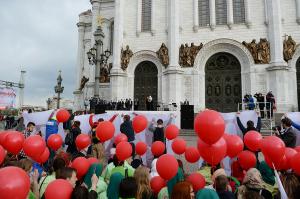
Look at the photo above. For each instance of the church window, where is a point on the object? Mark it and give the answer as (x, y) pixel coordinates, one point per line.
(203, 12)
(221, 12)
(238, 11)
(146, 15)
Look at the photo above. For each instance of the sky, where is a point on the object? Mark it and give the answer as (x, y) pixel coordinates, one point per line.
(40, 37)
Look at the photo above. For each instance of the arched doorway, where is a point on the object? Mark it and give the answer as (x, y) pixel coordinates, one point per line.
(223, 82)
(298, 81)
(145, 83)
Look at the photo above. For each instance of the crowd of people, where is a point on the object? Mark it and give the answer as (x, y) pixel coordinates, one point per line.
(123, 104)
(111, 178)
(266, 104)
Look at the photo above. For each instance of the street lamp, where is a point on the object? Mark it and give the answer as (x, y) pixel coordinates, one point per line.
(58, 88)
(98, 57)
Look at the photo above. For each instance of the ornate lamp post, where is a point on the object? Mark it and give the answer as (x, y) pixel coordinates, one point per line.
(98, 57)
(58, 88)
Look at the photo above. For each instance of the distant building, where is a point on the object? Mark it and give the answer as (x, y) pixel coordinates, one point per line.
(64, 103)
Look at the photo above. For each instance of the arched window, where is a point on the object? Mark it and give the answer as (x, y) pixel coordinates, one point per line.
(146, 15)
(203, 12)
(238, 11)
(221, 12)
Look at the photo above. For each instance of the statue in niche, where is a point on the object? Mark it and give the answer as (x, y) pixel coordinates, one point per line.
(163, 55)
(104, 73)
(125, 57)
(289, 48)
(83, 81)
(187, 55)
(260, 52)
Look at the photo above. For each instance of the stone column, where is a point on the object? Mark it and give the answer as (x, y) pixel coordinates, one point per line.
(229, 13)
(298, 11)
(278, 69)
(196, 15)
(78, 95)
(212, 12)
(173, 73)
(80, 53)
(117, 79)
(247, 13)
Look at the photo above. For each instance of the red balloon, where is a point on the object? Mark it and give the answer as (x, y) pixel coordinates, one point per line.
(3, 135)
(158, 148)
(141, 148)
(192, 154)
(59, 189)
(280, 165)
(273, 147)
(34, 146)
(81, 165)
(197, 180)
(139, 123)
(247, 159)
(179, 146)
(14, 142)
(105, 131)
(121, 137)
(2, 154)
(235, 145)
(171, 131)
(296, 148)
(44, 156)
(252, 140)
(93, 160)
(212, 154)
(289, 154)
(157, 183)
(296, 163)
(82, 141)
(14, 183)
(62, 115)
(167, 166)
(123, 150)
(55, 141)
(210, 126)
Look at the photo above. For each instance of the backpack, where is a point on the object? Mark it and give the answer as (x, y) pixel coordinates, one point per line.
(69, 138)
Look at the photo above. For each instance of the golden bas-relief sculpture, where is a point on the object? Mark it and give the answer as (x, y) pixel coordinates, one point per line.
(260, 51)
(125, 57)
(163, 55)
(187, 55)
(289, 48)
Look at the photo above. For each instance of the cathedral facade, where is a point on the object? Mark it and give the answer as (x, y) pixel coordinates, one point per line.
(209, 52)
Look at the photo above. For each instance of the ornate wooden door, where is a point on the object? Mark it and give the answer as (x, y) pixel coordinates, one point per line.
(223, 83)
(298, 81)
(145, 83)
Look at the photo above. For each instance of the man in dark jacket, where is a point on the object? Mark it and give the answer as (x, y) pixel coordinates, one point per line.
(75, 131)
(127, 129)
(288, 135)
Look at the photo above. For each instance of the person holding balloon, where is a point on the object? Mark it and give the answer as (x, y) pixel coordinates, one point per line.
(250, 124)
(158, 130)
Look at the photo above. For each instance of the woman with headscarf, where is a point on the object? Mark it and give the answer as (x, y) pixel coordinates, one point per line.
(101, 186)
(207, 193)
(253, 186)
(113, 186)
